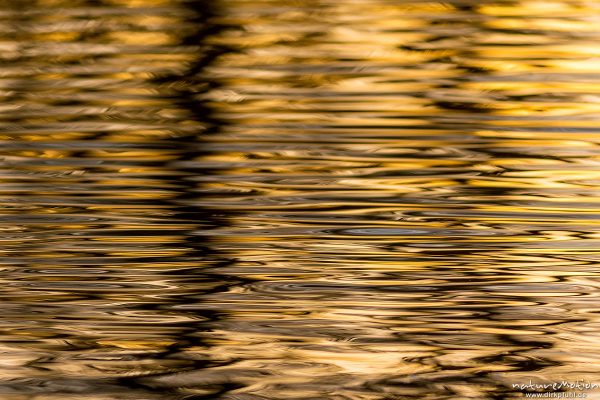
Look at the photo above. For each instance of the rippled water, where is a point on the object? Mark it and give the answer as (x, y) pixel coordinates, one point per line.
(318, 199)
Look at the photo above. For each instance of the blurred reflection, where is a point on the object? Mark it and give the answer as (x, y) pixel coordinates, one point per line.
(99, 129)
(298, 200)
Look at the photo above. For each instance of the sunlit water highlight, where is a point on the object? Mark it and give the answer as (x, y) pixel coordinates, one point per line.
(250, 200)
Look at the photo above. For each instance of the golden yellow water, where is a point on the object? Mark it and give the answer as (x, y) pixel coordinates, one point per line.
(298, 200)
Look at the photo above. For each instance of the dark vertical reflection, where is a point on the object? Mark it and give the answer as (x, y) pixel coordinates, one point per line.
(104, 136)
(460, 109)
(191, 85)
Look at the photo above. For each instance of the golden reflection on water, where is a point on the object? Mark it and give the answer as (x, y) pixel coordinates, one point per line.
(364, 200)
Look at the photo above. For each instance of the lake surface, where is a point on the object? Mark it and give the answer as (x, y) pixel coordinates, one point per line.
(298, 200)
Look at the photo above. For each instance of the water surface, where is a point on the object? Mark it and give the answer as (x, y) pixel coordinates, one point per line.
(299, 200)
